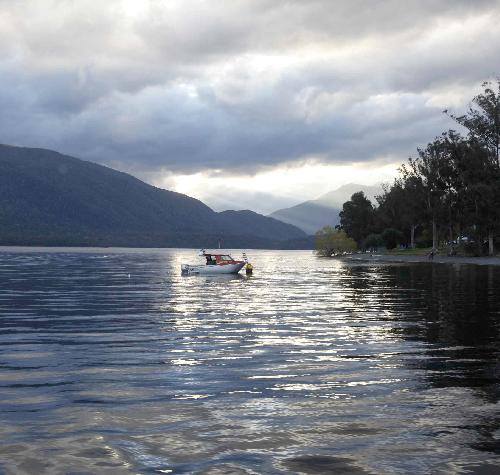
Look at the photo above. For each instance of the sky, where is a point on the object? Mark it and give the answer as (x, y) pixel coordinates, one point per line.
(255, 104)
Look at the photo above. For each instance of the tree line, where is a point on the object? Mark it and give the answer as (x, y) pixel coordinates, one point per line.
(447, 195)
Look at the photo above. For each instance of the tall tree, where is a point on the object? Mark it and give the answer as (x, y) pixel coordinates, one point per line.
(480, 194)
(401, 205)
(453, 184)
(482, 120)
(432, 169)
(357, 217)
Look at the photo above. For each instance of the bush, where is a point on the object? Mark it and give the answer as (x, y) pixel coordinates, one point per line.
(373, 241)
(392, 237)
(424, 240)
(332, 242)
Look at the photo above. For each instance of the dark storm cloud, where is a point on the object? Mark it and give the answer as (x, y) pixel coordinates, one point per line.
(234, 85)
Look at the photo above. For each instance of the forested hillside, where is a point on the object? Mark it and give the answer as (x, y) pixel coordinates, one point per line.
(47, 198)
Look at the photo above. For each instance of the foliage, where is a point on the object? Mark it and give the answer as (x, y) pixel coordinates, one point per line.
(483, 120)
(373, 241)
(357, 217)
(451, 188)
(332, 242)
(51, 199)
(392, 237)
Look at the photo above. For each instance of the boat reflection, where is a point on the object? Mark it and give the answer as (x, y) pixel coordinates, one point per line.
(208, 278)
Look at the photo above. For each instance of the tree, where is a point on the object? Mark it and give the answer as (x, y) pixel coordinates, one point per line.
(483, 120)
(357, 217)
(452, 185)
(331, 242)
(401, 205)
(373, 241)
(431, 172)
(392, 237)
(480, 195)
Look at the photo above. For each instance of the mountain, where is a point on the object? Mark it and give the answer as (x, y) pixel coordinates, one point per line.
(47, 198)
(338, 197)
(314, 214)
(255, 224)
(308, 216)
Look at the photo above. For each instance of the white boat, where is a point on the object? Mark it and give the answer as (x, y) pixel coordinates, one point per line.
(215, 264)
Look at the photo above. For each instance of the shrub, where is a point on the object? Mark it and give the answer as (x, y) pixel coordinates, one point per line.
(332, 242)
(373, 241)
(392, 237)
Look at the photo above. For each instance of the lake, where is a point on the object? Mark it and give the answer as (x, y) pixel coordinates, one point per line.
(112, 362)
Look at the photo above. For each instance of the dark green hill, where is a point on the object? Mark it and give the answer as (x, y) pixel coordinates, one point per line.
(49, 198)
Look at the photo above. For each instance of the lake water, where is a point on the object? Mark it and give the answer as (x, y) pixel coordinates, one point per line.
(112, 362)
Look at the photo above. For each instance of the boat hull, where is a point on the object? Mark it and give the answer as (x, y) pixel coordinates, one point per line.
(212, 270)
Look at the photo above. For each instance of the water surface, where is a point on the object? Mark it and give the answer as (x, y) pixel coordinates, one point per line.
(112, 362)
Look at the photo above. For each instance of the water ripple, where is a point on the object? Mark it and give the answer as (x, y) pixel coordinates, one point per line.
(112, 362)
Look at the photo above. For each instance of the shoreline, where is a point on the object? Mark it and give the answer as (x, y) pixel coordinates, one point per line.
(366, 257)
(490, 261)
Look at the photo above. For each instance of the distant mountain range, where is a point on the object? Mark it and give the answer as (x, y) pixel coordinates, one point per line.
(47, 198)
(314, 214)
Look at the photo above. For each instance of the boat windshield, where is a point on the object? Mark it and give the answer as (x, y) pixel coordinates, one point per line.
(226, 258)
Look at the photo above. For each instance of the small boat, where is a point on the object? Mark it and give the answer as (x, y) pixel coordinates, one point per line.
(215, 264)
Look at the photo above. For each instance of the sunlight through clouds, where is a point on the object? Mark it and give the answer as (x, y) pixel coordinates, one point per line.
(268, 190)
(238, 95)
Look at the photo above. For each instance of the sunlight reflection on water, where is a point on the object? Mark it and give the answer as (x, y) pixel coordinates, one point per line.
(113, 362)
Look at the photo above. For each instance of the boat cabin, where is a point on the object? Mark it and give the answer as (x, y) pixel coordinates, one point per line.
(219, 259)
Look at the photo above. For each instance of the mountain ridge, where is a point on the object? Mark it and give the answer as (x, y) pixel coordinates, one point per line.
(50, 198)
(312, 215)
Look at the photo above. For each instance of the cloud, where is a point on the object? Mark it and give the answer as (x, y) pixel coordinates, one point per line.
(274, 188)
(239, 86)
